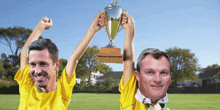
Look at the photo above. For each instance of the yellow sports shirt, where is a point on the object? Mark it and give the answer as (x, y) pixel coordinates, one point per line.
(32, 99)
(127, 98)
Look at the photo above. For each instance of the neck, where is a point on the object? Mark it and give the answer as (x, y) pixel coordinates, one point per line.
(51, 88)
(48, 88)
(52, 85)
(153, 103)
(150, 100)
(154, 100)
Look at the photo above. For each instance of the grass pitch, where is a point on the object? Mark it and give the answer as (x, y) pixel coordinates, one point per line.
(93, 101)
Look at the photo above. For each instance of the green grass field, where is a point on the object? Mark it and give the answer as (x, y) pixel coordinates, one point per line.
(92, 101)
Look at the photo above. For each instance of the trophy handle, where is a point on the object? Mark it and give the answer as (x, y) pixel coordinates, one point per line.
(115, 2)
(121, 28)
(103, 27)
(121, 24)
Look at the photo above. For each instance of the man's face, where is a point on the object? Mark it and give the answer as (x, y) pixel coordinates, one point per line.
(154, 77)
(42, 69)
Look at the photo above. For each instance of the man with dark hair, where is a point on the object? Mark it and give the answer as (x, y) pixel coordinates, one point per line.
(41, 44)
(144, 88)
(39, 87)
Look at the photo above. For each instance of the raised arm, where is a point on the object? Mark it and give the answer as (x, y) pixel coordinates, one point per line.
(43, 24)
(128, 24)
(96, 25)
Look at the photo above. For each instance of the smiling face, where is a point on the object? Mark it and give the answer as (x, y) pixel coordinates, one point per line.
(154, 77)
(42, 69)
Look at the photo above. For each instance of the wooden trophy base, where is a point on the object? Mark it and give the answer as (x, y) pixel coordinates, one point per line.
(110, 55)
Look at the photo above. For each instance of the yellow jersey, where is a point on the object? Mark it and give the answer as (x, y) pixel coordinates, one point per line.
(127, 97)
(32, 99)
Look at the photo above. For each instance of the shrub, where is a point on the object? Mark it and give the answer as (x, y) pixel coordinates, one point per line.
(2, 69)
(110, 83)
(89, 88)
(7, 84)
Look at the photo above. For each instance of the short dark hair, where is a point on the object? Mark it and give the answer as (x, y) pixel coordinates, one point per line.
(157, 54)
(41, 44)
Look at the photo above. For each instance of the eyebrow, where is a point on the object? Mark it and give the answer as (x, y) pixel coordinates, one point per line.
(148, 69)
(38, 62)
(164, 70)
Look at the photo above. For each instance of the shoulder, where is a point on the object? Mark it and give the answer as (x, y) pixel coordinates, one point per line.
(23, 75)
(131, 82)
(65, 79)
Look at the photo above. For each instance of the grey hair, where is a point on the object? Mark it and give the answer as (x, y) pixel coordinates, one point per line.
(156, 54)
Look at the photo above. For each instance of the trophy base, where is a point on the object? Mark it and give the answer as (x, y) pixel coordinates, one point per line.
(110, 46)
(110, 55)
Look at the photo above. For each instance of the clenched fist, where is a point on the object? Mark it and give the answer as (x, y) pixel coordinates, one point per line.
(45, 23)
(128, 22)
(98, 21)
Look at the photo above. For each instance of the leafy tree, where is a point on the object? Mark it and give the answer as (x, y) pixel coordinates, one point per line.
(9, 71)
(2, 69)
(183, 63)
(91, 61)
(103, 68)
(62, 66)
(7, 66)
(88, 63)
(82, 68)
(4, 58)
(209, 67)
(109, 83)
(17, 36)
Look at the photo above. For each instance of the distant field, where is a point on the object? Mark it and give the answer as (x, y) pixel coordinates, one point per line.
(92, 101)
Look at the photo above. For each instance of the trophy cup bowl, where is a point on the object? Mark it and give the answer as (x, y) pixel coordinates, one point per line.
(113, 20)
(111, 54)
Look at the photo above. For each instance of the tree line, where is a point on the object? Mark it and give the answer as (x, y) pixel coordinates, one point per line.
(16, 37)
(184, 63)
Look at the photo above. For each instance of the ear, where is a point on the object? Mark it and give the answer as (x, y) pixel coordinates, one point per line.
(171, 77)
(137, 75)
(59, 62)
(171, 74)
(57, 65)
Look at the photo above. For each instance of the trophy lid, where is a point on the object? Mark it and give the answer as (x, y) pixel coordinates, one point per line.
(113, 5)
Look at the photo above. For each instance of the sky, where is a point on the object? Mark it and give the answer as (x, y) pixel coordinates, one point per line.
(162, 24)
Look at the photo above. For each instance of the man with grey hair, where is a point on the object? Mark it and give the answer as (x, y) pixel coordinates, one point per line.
(146, 87)
(39, 87)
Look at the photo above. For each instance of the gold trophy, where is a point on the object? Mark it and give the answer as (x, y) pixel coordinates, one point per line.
(111, 54)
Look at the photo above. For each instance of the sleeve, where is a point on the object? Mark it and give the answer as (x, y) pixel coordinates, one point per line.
(23, 77)
(127, 91)
(67, 84)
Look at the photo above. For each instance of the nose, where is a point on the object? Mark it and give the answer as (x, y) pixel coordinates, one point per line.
(157, 78)
(37, 70)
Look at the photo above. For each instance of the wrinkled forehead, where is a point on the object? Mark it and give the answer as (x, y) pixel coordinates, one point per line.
(149, 62)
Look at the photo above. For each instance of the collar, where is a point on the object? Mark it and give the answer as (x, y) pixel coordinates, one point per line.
(39, 90)
(142, 99)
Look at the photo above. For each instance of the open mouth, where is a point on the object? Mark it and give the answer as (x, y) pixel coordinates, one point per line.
(40, 77)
